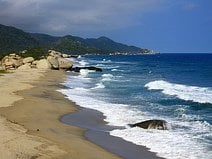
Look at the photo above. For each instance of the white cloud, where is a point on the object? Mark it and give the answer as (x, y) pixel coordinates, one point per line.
(66, 16)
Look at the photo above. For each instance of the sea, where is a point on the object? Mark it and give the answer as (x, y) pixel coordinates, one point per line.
(176, 88)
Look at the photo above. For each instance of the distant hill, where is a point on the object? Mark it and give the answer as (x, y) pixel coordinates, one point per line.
(13, 39)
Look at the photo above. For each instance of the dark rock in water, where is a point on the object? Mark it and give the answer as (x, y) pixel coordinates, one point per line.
(77, 69)
(74, 56)
(152, 124)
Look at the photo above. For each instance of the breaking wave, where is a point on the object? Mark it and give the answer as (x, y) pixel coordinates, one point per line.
(184, 92)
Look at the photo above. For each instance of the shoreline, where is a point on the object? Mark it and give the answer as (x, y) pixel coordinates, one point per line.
(32, 120)
(34, 114)
(97, 132)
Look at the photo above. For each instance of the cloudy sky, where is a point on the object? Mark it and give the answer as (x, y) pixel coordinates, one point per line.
(162, 25)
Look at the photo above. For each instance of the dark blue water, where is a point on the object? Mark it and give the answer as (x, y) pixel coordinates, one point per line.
(133, 88)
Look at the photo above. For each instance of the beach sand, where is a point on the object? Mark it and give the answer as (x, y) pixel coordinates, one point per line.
(30, 109)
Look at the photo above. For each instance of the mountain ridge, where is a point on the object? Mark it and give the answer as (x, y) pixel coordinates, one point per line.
(13, 39)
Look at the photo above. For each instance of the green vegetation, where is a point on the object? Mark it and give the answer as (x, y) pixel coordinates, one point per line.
(3, 55)
(2, 72)
(15, 40)
(35, 52)
(69, 45)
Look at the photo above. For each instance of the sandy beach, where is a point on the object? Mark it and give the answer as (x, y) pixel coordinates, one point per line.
(30, 109)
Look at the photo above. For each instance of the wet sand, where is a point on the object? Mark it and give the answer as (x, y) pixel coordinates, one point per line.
(30, 108)
(98, 133)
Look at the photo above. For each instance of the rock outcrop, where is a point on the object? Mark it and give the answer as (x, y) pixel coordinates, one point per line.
(64, 63)
(25, 67)
(43, 64)
(11, 62)
(54, 60)
(58, 54)
(77, 69)
(28, 60)
(152, 124)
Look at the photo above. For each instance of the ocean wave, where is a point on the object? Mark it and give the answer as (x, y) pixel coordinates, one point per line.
(167, 144)
(83, 63)
(111, 67)
(123, 117)
(107, 77)
(107, 66)
(181, 141)
(106, 61)
(114, 70)
(184, 92)
(99, 86)
(117, 70)
(85, 72)
(189, 136)
(99, 65)
(81, 89)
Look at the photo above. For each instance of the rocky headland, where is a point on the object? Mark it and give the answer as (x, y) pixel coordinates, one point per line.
(54, 60)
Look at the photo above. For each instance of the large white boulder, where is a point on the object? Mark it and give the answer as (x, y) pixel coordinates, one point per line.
(35, 62)
(53, 61)
(16, 63)
(28, 60)
(54, 53)
(64, 63)
(43, 64)
(25, 67)
(8, 63)
(66, 55)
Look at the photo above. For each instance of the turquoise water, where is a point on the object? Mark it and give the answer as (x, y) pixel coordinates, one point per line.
(133, 88)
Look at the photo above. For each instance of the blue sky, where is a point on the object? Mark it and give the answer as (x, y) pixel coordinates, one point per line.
(161, 25)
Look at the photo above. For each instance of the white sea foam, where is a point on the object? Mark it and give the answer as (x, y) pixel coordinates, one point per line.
(110, 67)
(171, 144)
(85, 72)
(114, 70)
(80, 89)
(116, 114)
(107, 66)
(106, 61)
(185, 92)
(117, 70)
(167, 144)
(182, 141)
(107, 77)
(99, 86)
(99, 65)
(83, 63)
